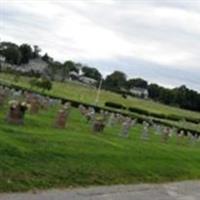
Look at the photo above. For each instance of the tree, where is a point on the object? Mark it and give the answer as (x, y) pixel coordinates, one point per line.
(44, 84)
(115, 81)
(16, 77)
(166, 96)
(154, 91)
(67, 67)
(181, 96)
(53, 69)
(11, 52)
(91, 73)
(36, 51)
(33, 82)
(47, 58)
(138, 82)
(70, 66)
(26, 52)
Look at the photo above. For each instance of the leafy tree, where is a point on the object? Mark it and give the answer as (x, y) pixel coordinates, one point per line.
(47, 58)
(91, 73)
(33, 82)
(53, 69)
(138, 82)
(44, 84)
(186, 98)
(166, 96)
(36, 51)
(115, 81)
(154, 91)
(26, 52)
(70, 66)
(67, 67)
(11, 52)
(181, 96)
(16, 77)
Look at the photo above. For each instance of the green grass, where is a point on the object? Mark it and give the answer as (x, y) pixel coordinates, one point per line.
(37, 155)
(86, 94)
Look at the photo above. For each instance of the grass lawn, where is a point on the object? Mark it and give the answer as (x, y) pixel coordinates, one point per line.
(37, 155)
(85, 94)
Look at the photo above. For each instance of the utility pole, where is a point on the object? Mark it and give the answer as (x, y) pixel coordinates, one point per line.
(98, 91)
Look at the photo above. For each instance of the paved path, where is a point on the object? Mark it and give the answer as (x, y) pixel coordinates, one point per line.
(189, 190)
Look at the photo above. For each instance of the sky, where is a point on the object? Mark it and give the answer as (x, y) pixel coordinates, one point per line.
(158, 40)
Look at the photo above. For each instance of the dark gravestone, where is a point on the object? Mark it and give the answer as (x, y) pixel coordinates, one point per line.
(98, 125)
(62, 116)
(16, 113)
(166, 134)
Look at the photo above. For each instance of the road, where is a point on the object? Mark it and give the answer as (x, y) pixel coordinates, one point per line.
(188, 190)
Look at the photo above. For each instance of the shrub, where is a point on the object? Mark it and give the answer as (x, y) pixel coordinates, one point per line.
(114, 105)
(171, 117)
(44, 84)
(139, 111)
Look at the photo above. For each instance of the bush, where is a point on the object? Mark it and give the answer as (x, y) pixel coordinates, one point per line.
(162, 116)
(41, 83)
(115, 105)
(139, 111)
(44, 84)
(192, 120)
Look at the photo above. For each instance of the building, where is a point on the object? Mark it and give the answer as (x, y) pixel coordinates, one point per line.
(2, 59)
(139, 92)
(87, 80)
(73, 75)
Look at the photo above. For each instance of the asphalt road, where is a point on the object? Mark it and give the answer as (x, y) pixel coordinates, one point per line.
(188, 190)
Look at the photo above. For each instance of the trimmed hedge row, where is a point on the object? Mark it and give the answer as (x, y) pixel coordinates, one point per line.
(157, 115)
(163, 116)
(115, 105)
(151, 114)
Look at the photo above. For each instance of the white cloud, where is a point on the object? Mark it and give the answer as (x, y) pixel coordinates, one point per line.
(166, 34)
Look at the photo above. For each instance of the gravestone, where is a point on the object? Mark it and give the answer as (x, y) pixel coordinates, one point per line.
(191, 138)
(62, 116)
(17, 112)
(180, 136)
(82, 109)
(166, 134)
(90, 114)
(157, 129)
(145, 131)
(126, 125)
(2, 97)
(34, 103)
(111, 120)
(61, 119)
(98, 124)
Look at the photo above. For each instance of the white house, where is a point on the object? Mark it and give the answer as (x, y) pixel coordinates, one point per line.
(73, 75)
(87, 80)
(140, 92)
(2, 59)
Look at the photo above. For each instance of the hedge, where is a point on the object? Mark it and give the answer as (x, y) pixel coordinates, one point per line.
(115, 105)
(171, 117)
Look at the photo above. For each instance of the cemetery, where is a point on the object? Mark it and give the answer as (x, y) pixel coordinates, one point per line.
(47, 142)
(99, 100)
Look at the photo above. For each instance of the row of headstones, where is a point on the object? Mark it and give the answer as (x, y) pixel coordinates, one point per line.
(20, 101)
(110, 119)
(99, 121)
(20, 95)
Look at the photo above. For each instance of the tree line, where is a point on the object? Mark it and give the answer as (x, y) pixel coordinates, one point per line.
(117, 81)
